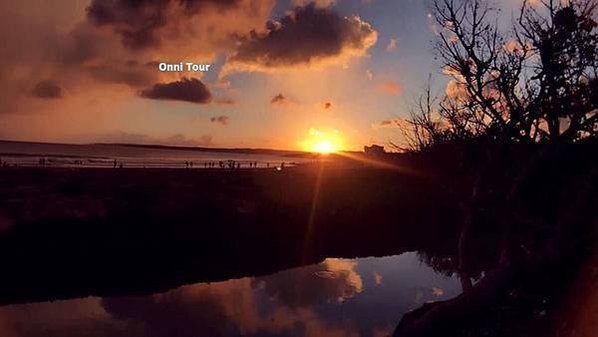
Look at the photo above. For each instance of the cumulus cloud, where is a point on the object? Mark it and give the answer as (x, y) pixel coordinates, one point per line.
(187, 89)
(95, 46)
(175, 28)
(137, 22)
(47, 89)
(390, 87)
(220, 119)
(307, 36)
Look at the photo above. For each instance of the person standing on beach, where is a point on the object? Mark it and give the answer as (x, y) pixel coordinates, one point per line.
(114, 165)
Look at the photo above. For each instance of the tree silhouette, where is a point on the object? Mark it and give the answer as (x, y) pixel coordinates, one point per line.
(534, 83)
(521, 100)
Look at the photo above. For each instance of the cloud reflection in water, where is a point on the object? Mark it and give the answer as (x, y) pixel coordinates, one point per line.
(338, 297)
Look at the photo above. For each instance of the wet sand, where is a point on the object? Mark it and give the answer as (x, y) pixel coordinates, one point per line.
(75, 232)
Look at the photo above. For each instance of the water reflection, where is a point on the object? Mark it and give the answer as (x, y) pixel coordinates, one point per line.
(338, 297)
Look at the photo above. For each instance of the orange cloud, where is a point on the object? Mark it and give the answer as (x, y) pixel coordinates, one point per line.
(390, 87)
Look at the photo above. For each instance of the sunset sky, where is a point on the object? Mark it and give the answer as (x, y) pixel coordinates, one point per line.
(282, 71)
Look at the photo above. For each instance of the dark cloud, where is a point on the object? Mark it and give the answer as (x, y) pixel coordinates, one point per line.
(98, 44)
(278, 99)
(220, 119)
(137, 21)
(47, 89)
(305, 35)
(188, 90)
(396, 123)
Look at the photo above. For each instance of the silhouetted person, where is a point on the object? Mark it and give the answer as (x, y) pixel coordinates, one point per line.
(114, 166)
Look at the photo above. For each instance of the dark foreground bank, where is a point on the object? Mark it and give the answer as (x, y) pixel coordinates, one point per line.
(77, 232)
(515, 227)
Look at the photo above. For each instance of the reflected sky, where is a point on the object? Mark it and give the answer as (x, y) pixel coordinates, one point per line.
(338, 297)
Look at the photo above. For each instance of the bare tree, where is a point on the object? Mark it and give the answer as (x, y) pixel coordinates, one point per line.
(536, 82)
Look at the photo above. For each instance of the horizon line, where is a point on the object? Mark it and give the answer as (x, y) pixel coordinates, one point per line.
(173, 147)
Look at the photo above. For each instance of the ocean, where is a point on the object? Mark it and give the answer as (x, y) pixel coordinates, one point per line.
(25, 154)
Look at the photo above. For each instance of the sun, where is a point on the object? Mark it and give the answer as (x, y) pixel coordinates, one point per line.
(324, 147)
(323, 142)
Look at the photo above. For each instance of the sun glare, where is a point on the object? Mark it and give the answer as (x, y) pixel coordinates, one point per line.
(323, 142)
(324, 147)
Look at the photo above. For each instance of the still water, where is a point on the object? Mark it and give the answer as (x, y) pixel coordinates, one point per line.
(338, 297)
